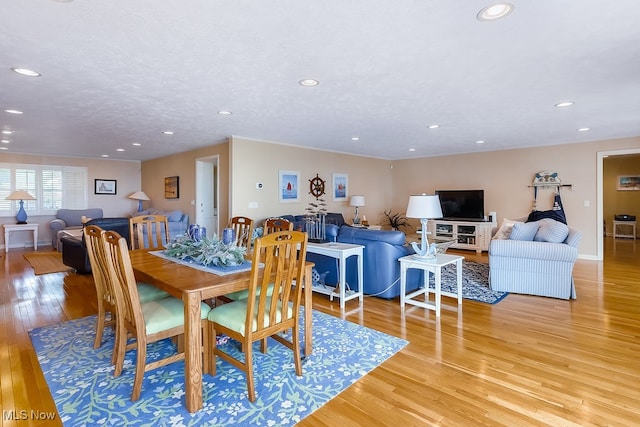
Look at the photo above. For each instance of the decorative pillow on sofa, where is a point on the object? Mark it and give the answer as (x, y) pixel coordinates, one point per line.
(551, 231)
(524, 231)
(504, 231)
(172, 216)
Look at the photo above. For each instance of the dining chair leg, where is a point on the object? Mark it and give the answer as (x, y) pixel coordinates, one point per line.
(248, 370)
(99, 327)
(141, 361)
(119, 350)
(206, 348)
(211, 332)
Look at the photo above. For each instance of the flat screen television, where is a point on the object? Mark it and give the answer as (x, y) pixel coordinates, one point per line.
(462, 205)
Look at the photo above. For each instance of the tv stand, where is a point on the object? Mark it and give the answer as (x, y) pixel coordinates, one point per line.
(472, 235)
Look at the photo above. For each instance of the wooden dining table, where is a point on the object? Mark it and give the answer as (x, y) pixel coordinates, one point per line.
(193, 286)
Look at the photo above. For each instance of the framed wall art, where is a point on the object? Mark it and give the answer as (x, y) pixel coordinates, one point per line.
(105, 186)
(172, 187)
(288, 186)
(340, 187)
(629, 182)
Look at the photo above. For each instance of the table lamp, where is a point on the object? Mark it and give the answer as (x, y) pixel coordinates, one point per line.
(21, 195)
(424, 207)
(357, 201)
(139, 196)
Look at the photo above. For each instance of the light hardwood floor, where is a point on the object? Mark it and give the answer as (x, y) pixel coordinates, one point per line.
(524, 361)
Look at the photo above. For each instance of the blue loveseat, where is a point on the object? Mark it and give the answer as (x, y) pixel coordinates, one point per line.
(178, 221)
(68, 219)
(382, 249)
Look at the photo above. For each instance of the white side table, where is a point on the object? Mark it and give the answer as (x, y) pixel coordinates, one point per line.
(631, 229)
(341, 251)
(429, 265)
(8, 228)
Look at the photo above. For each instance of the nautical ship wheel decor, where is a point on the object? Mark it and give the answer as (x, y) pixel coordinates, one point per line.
(316, 186)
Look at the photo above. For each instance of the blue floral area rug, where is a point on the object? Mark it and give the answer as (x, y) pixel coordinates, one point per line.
(86, 393)
(475, 282)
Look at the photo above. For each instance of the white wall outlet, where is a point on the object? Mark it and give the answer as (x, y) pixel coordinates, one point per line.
(587, 203)
(253, 205)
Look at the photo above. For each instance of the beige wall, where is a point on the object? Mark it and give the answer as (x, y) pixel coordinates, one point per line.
(183, 165)
(255, 161)
(127, 174)
(619, 202)
(505, 177)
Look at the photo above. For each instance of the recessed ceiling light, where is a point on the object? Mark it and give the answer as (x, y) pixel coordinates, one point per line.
(434, 126)
(136, 144)
(564, 104)
(494, 12)
(355, 138)
(412, 149)
(480, 142)
(10, 111)
(26, 72)
(168, 132)
(7, 132)
(5, 141)
(225, 113)
(583, 129)
(4, 148)
(104, 155)
(120, 149)
(309, 82)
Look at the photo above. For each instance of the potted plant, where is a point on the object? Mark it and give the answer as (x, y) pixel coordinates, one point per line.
(396, 220)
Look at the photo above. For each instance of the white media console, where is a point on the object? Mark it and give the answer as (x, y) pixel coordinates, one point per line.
(470, 235)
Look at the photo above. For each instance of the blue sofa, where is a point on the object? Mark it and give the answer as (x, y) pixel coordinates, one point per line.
(382, 249)
(178, 221)
(70, 219)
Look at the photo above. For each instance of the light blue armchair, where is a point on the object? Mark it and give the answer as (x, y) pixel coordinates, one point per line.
(534, 267)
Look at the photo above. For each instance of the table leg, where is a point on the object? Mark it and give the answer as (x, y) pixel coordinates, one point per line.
(193, 351)
(361, 277)
(35, 239)
(343, 280)
(6, 240)
(403, 283)
(307, 311)
(438, 289)
(459, 280)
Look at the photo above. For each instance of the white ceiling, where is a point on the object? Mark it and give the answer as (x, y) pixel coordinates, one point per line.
(115, 72)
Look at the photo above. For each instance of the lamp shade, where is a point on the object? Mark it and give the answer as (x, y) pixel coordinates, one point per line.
(357, 201)
(20, 195)
(424, 206)
(139, 195)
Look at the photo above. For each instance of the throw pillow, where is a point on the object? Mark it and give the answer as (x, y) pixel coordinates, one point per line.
(551, 231)
(504, 231)
(524, 231)
(174, 216)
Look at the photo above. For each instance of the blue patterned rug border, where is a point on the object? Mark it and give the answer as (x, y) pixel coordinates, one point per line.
(86, 393)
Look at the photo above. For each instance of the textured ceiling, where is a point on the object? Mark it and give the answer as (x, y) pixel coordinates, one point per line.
(120, 71)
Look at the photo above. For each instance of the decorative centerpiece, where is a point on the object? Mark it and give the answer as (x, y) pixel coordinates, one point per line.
(206, 251)
(315, 221)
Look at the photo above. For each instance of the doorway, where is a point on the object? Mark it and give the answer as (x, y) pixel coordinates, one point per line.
(207, 193)
(600, 193)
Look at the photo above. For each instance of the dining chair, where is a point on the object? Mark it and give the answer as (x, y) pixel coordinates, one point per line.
(272, 225)
(149, 231)
(261, 315)
(243, 228)
(144, 322)
(94, 236)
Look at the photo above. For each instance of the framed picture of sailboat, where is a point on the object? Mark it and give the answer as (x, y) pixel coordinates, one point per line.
(340, 187)
(288, 186)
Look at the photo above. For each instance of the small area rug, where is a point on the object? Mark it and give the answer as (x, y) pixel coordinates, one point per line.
(46, 262)
(475, 282)
(86, 393)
